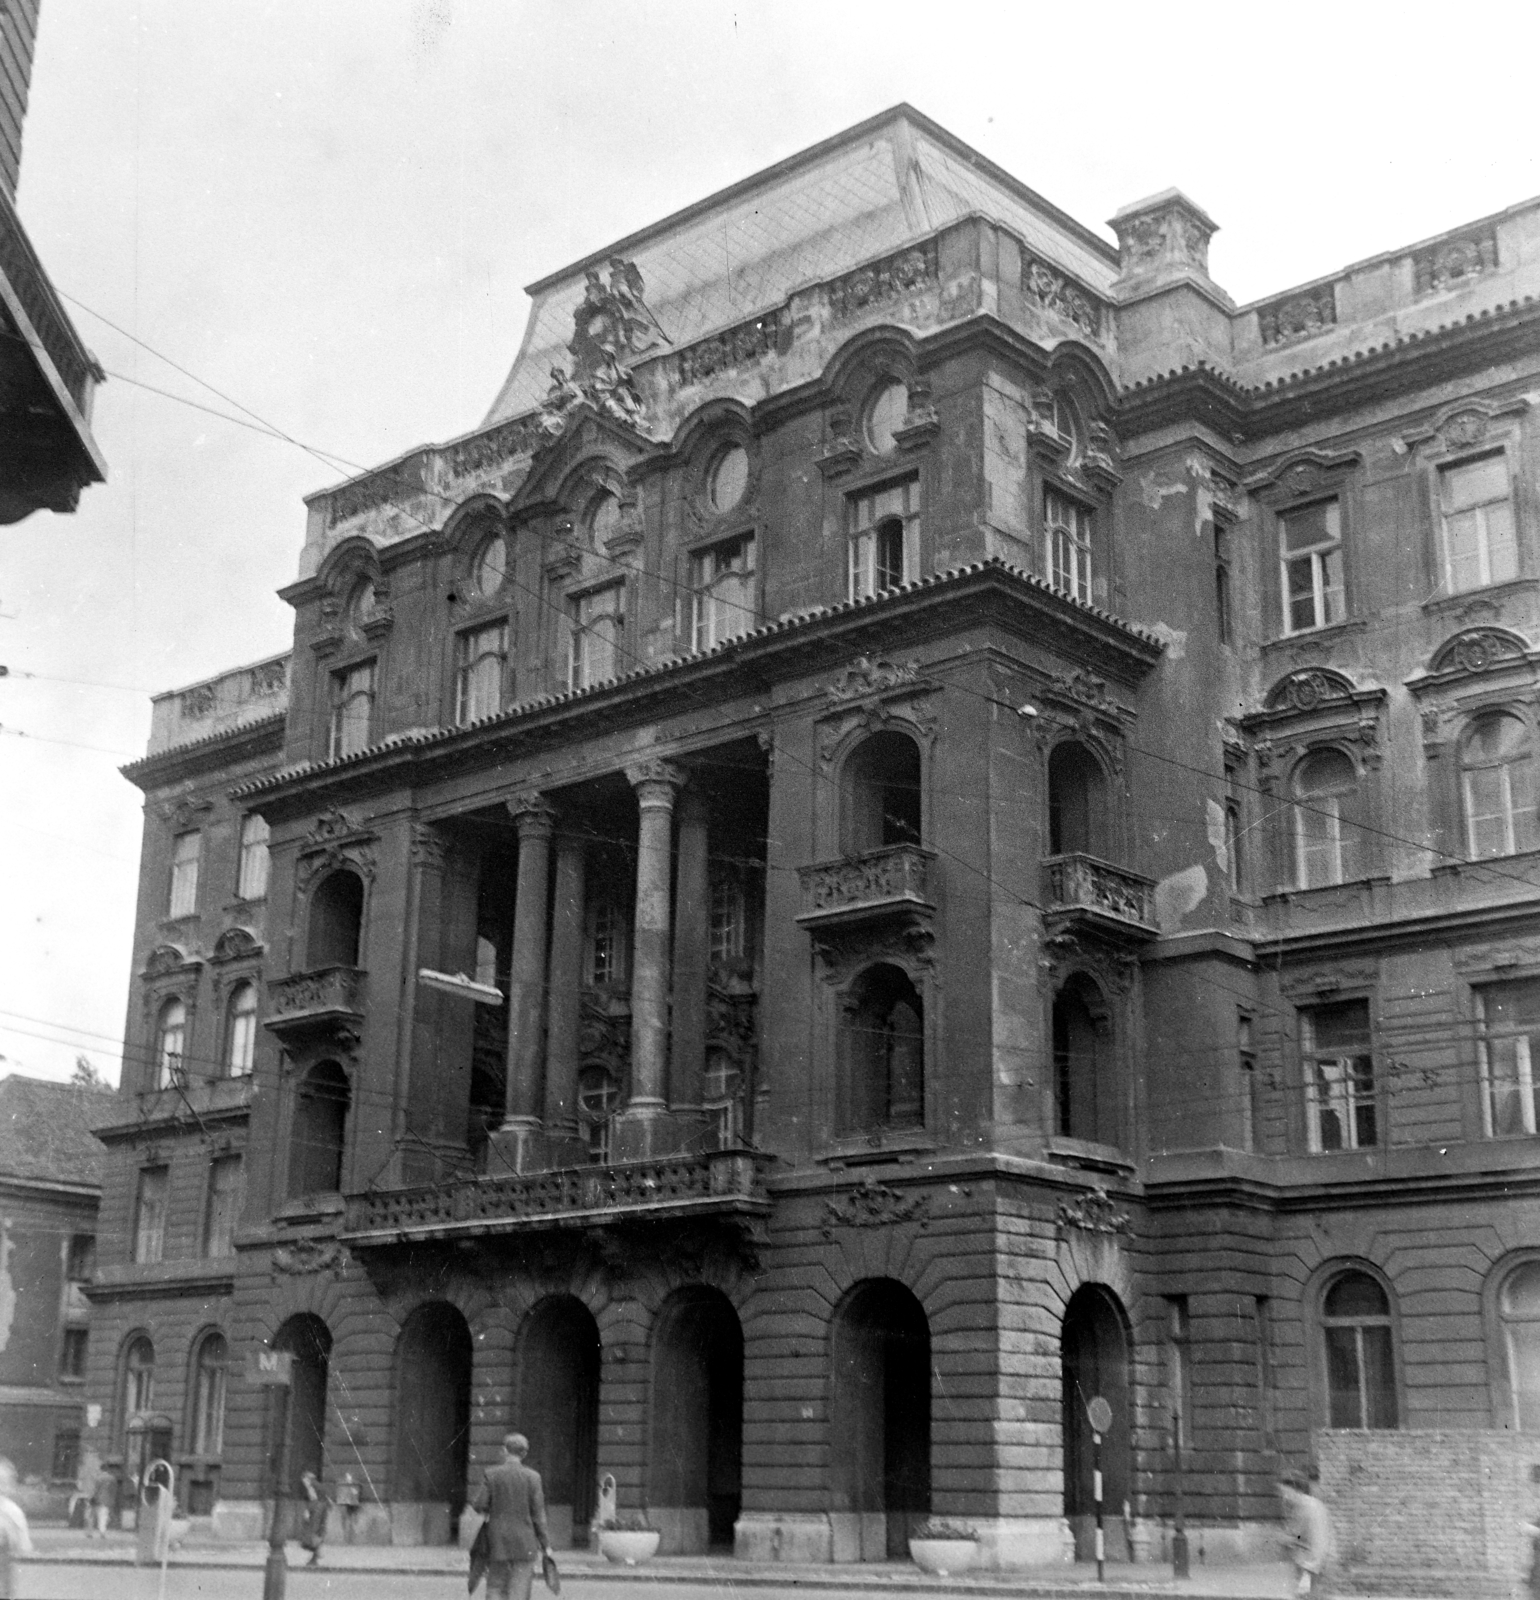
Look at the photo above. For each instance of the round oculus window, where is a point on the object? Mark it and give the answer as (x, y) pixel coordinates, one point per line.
(729, 480)
(491, 565)
(604, 518)
(885, 416)
(362, 604)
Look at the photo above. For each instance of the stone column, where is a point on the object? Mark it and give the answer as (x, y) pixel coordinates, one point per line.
(535, 821)
(564, 995)
(692, 953)
(656, 782)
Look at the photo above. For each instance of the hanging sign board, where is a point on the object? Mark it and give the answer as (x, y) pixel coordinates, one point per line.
(269, 1367)
(1099, 1414)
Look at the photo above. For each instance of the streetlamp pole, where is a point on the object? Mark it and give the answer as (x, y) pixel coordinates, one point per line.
(275, 1575)
(1179, 1556)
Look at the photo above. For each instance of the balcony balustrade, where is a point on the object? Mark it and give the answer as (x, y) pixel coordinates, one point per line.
(1079, 888)
(323, 997)
(876, 883)
(724, 1182)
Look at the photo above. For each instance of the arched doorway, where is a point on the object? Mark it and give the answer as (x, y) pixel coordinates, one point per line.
(879, 1415)
(432, 1424)
(559, 1411)
(1096, 1362)
(309, 1341)
(696, 1460)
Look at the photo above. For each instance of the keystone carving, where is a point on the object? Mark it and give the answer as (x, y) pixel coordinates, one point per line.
(866, 675)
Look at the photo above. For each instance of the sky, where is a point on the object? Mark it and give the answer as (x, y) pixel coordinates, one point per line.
(321, 214)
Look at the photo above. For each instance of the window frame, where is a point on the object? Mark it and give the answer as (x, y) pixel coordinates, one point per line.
(1510, 814)
(1526, 1063)
(1079, 544)
(714, 619)
(168, 1066)
(345, 695)
(1345, 840)
(250, 879)
(149, 1246)
(182, 884)
(471, 653)
(1356, 1100)
(1327, 1278)
(1443, 470)
(865, 522)
(227, 1161)
(218, 1391)
(241, 1028)
(1320, 589)
(1503, 1389)
(579, 675)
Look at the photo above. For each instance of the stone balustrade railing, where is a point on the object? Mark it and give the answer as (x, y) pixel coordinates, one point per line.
(1082, 883)
(324, 992)
(874, 882)
(724, 1180)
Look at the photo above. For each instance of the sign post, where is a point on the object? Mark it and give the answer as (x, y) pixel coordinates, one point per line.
(1099, 1414)
(273, 1370)
(1180, 1564)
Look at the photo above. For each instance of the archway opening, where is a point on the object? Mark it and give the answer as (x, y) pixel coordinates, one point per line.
(882, 793)
(882, 1053)
(559, 1411)
(696, 1461)
(1076, 802)
(336, 920)
(880, 1416)
(432, 1423)
(1095, 1354)
(307, 1338)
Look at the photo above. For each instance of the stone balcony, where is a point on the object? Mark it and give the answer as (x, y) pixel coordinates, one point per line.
(723, 1183)
(877, 883)
(327, 997)
(1079, 889)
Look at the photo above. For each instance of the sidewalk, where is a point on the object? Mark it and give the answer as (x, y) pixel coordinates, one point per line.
(1124, 1581)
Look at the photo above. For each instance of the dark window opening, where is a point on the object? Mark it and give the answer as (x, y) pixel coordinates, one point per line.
(1084, 1085)
(882, 793)
(336, 921)
(1223, 620)
(319, 1131)
(1360, 1360)
(883, 1056)
(1076, 801)
(72, 1354)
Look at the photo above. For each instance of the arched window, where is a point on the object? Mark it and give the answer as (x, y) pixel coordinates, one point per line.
(1325, 845)
(1518, 1309)
(1076, 802)
(1497, 778)
(208, 1415)
(1360, 1358)
(603, 519)
(241, 1030)
(336, 920)
(881, 793)
(598, 1096)
(170, 1043)
(1085, 1093)
(251, 878)
(722, 1098)
(138, 1379)
(882, 1057)
(319, 1131)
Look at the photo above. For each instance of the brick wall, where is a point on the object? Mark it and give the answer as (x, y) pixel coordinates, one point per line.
(1425, 1512)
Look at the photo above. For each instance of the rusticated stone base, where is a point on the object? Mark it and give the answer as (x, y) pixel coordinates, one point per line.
(777, 1536)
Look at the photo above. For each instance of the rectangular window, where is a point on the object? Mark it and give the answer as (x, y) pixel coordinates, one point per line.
(150, 1215)
(1067, 527)
(1310, 550)
(80, 1260)
(1508, 1045)
(727, 920)
(72, 1353)
(1476, 514)
(722, 593)
(66, 1455)
(1223, 622)
(884, 530)
(352, 709)
(1177, 1337)
(606, 945)
(224, 1206)
(251, 877)
(1247, 1054)
(185, 851)
(1339, 1076)
(598, 636)
(481, 661)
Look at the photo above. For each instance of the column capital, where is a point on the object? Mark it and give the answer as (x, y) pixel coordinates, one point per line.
(656, 781)
(533, 815)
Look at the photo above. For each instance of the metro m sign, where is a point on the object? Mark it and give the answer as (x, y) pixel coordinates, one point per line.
(269, 1367)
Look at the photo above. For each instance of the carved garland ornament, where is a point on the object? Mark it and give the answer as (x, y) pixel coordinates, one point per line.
(875, 1205)
(1454, 261)
(306, 1256)
(1299, 316)
(1093, 1213)
(884, 280)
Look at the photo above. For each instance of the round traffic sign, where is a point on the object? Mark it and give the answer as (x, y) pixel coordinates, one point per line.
(1100, 1414)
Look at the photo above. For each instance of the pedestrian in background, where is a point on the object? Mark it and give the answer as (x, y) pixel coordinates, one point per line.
(103, 1499)
(347, 1503)
(317, 1505)
(1306, 1532)
(15, 1537)
(513, 1502)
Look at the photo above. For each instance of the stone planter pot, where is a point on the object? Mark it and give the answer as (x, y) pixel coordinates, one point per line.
(944, 1556)
(627, 1548)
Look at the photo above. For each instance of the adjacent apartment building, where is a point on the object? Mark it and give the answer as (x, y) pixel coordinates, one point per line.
(983, 798)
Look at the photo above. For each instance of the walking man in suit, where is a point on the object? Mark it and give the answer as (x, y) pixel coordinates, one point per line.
(513, 1503)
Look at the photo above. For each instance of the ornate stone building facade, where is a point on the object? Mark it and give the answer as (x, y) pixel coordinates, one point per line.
(930, 829)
